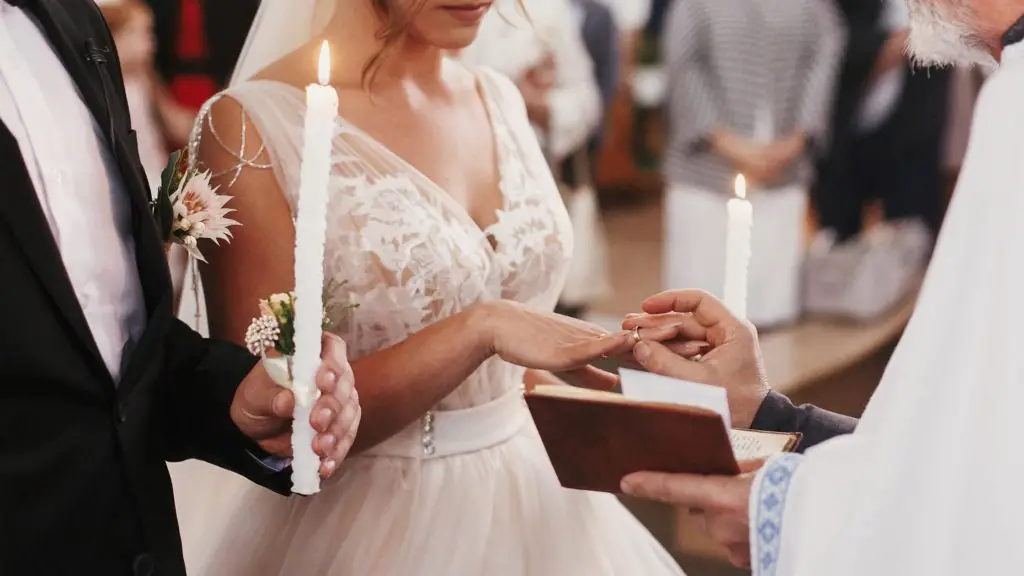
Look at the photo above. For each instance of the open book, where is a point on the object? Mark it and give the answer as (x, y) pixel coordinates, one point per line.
(595, 438)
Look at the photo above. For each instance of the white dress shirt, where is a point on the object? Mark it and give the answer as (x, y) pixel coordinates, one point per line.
(77, 181)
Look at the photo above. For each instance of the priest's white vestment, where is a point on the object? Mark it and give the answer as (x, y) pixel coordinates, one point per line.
(932, 482)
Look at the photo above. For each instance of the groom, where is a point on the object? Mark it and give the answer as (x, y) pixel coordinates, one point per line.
(99, 384)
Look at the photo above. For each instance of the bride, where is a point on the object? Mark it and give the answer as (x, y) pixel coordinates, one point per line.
(446, 228)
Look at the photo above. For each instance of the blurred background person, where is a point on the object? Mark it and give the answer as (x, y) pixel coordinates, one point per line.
(131, 24)
(198, 42)
(750, 87)
(889, 127)
(539, 44)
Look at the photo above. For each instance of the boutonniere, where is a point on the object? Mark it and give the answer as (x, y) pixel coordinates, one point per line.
(188, 208)
(271, 335)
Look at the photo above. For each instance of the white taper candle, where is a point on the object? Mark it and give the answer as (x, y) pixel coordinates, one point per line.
(737, 249)
(310, 233)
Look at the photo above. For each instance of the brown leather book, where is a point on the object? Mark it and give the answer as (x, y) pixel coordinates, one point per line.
(595, 438)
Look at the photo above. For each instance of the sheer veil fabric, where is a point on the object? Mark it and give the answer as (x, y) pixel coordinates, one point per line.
(280, 27)
(467, 488)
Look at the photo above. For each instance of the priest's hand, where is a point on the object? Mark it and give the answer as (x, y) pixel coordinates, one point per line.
(697, 323)
(722, 501)
(262, 410)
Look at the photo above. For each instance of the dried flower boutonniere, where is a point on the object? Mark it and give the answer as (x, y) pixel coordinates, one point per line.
(271, 335)
(188, 207)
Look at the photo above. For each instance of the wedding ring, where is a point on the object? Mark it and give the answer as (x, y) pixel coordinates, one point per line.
(636, 335)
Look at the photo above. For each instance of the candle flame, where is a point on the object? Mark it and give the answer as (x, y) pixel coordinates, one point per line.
(324, 66)
(741, 186)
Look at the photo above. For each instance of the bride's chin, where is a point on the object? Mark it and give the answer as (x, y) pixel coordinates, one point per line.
(452, 40)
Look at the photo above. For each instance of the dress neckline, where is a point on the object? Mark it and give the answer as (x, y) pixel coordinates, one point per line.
(495, 121)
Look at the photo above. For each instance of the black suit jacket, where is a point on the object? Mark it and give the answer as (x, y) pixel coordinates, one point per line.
(84, 487)
(778, 414)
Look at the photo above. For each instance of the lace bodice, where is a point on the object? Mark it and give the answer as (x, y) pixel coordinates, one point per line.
(400, 247)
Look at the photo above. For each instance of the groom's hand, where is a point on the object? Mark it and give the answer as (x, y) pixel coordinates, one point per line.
(262, 410)
(721, 500)
(731, 356)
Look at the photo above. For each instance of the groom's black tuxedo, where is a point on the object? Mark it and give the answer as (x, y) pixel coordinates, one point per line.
(84, 488)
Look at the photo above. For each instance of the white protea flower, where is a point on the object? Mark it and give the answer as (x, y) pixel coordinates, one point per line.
(199, 213)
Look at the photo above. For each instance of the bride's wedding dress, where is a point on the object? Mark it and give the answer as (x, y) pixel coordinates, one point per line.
(468, 489)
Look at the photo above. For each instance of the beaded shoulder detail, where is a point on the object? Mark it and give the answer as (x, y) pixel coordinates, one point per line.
(240, 153)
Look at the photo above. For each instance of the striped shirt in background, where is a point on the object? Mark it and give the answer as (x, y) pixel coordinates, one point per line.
(756, 68)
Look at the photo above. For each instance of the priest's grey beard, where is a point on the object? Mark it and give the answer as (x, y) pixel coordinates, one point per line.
(943, 33)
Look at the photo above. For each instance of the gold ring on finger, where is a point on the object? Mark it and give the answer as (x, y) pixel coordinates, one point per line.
(636, 335)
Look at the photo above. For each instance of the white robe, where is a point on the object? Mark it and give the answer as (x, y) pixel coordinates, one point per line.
(929, 485)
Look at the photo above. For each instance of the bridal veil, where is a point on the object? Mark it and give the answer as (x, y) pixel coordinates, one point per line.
(280, 27)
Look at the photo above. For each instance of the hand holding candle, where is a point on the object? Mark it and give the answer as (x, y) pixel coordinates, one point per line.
(310, 234)
(737, 249)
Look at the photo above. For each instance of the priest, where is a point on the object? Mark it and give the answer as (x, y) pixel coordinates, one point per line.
(929, 482)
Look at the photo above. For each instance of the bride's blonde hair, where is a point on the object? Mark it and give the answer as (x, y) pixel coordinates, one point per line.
(397, 20)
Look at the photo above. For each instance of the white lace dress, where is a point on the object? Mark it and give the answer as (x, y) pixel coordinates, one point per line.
(467, 490)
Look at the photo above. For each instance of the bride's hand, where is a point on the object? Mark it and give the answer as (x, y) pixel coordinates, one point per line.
(547, 341)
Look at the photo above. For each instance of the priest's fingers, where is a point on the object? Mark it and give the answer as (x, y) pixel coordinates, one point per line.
(594, 378)
(657, 358)
(711, 493)
(739, 555)
(705, 308)
(750, 465)
(686, 325)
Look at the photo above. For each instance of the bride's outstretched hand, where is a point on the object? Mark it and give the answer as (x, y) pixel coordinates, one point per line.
(547, 341)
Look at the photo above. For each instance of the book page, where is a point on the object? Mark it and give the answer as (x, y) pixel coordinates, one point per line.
(647, 387)
(753, 445)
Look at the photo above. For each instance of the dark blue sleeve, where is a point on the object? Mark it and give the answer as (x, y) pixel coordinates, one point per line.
(778, 414)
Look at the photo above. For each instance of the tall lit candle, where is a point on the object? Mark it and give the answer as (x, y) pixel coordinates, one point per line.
(310, 233)
(737, 249)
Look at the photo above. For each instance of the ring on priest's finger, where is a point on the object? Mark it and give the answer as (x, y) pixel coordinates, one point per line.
(636, 335)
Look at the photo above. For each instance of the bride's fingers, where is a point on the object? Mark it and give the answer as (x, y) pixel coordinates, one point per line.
(649, 320)
(606, 346)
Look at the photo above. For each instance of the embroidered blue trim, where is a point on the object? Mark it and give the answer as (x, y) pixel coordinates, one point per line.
(770, 507)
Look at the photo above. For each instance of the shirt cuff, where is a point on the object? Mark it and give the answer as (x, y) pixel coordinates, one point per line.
(270, 463)
(767, 509)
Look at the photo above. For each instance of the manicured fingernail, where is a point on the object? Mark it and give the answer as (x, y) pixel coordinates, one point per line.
(327, 442)
(331, 376)
(324, 417)
(330, 465)
(280, 402)
(626, 486)
(642, 351)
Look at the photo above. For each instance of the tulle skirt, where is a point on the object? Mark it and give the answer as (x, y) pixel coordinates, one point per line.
(466, 510)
